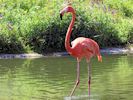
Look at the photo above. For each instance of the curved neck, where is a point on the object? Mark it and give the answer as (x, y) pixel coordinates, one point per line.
(68, 34)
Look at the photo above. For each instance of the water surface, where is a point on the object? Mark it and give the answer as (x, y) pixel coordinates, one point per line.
(53, 78)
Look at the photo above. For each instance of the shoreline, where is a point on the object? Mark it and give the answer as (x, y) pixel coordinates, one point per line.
(106, 51)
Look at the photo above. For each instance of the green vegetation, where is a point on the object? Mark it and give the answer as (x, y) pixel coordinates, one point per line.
(34, 25)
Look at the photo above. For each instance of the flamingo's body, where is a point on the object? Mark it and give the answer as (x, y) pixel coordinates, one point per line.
(84, 47)
(81, 47)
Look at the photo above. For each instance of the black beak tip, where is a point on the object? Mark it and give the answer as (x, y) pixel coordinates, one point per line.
(61, 16)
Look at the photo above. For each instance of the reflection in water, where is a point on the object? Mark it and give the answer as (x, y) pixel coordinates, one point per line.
(53, 79)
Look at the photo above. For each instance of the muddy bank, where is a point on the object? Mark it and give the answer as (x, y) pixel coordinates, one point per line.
(58, 54)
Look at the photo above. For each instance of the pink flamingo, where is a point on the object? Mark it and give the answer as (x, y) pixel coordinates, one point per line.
(81, 47)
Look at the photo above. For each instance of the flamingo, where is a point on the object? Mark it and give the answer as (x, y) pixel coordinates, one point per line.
(81, 48)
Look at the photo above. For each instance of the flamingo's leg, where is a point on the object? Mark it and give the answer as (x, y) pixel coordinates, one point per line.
(78, 80)
(89, 77)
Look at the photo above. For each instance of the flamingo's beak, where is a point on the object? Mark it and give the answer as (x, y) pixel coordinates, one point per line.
(60, 16)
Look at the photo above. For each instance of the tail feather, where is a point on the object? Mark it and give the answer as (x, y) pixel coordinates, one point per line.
(99, 58)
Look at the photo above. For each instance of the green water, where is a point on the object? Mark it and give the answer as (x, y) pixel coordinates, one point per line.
(53, 78)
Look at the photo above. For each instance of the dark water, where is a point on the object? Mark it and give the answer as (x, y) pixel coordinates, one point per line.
(53, 79)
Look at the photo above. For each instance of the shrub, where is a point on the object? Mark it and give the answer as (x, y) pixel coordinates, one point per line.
(28, 26)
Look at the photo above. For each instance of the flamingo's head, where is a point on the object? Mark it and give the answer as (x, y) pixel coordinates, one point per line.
(66, 10)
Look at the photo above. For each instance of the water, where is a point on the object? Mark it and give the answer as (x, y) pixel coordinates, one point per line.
(53, 78)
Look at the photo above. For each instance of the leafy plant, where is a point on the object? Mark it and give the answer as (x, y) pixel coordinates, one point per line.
(30, 25)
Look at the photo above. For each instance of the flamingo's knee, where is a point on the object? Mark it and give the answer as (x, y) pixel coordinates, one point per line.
(77, 82)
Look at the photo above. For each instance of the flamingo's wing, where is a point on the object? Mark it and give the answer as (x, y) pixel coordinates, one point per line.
(87, 47)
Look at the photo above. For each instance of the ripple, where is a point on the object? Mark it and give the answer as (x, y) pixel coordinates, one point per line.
(82, 97)
(52, 79)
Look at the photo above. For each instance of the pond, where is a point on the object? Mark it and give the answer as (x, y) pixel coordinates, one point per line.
(53, 78)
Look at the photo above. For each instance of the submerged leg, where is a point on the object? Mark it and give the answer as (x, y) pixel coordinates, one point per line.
(89, 77)
(77, 80)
